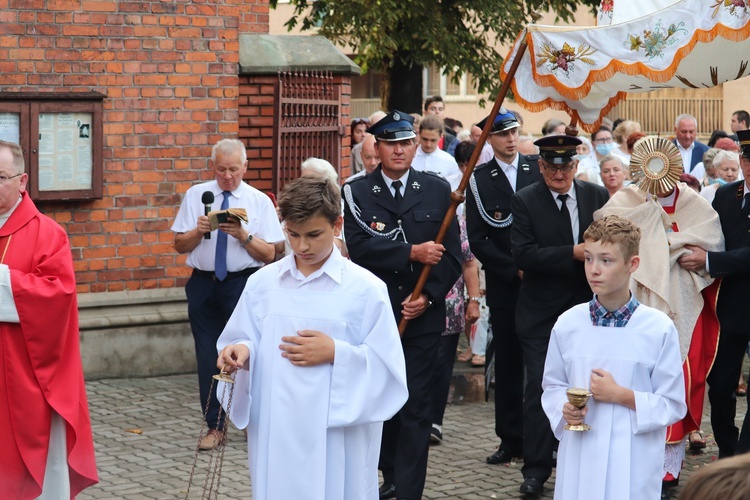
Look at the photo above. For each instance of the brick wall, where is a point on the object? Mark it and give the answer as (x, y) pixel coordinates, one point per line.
(257, 109)
(169, 71)
(256, 122)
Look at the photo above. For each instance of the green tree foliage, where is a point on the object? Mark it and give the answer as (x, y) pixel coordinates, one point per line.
(397, 36)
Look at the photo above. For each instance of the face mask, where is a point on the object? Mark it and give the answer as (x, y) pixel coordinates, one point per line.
(605, 149)
(581, 157)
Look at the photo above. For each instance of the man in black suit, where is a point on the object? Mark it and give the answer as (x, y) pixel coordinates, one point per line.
(732, 202)
(488, 223)
(391, 217)
(549, 219)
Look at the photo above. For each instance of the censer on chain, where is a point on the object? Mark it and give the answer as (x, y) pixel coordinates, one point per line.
(216, 456)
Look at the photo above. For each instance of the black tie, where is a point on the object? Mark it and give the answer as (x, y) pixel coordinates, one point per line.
(566, 214)
(746, 206)
(397, 194)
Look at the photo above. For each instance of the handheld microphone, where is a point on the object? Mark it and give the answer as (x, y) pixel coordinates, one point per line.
(207, 199)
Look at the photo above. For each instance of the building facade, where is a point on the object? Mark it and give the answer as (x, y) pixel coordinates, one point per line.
(117, 105)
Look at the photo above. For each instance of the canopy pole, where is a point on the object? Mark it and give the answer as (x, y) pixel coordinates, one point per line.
(457, 196)
(572, 129)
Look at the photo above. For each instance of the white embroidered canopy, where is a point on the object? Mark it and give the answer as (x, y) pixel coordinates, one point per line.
(638, 46)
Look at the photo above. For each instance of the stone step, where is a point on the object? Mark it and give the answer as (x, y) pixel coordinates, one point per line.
(467, 384)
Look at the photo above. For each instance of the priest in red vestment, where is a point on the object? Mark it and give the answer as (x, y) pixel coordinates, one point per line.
(672, 218)
(48, 445)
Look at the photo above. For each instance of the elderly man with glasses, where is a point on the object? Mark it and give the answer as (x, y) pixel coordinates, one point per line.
(549, 218)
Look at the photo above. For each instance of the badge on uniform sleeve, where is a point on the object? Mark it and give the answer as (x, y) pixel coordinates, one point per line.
(376, 189)
(378, 226)
(415, 186)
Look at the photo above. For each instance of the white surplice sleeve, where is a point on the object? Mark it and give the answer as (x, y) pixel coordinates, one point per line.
(554, 384)
(241, 328)
(665, 404)
(368, 382)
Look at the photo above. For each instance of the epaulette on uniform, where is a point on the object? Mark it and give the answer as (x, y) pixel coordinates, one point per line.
(532, 157)
(437, 175)
(352, 181)
(480, 167)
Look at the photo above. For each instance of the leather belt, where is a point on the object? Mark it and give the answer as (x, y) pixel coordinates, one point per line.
(230, 275)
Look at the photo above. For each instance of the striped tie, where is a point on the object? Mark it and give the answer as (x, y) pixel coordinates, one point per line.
(220, 259)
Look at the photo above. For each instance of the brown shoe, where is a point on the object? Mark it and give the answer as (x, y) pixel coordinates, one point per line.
(211, 440)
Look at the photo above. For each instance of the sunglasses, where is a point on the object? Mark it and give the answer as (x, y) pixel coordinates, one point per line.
(358, 121)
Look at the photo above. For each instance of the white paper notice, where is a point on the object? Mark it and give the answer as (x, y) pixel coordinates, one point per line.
(65, 149)
(10, 127)
(46, 174)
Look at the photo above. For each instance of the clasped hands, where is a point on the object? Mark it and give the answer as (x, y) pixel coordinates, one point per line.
(307, 348)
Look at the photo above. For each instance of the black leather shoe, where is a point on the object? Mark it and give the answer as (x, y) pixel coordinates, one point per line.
(500, 457)
(532, 486)
(388, 490)
(665, 493)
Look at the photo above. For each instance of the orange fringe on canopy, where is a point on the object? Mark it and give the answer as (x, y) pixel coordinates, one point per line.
(615, 66)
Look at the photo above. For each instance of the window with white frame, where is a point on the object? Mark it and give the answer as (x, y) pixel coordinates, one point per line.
(436, 82)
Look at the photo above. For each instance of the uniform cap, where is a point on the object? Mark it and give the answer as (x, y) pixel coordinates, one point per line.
(743, 137)
(558, 149)
(504, 120)
(395, 126)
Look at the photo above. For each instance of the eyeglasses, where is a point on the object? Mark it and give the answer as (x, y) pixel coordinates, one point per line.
(604, 141)
(5, 178)
(567, 168)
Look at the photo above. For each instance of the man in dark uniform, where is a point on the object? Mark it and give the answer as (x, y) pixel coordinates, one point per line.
(391, 218)
(488, 222)
(732, 202)
(549, 219)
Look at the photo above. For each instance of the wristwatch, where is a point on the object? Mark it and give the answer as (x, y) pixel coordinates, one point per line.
(248, 239)
(475, 299)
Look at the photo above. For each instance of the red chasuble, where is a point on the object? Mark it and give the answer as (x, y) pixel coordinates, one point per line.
(40, 360)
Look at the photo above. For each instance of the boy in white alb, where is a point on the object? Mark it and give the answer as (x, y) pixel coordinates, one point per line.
(318, 358)
(628, 356)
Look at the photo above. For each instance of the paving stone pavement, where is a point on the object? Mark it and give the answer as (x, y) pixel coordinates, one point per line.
(157, 462)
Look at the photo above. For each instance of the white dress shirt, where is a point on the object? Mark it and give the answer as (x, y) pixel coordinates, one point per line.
(389, 182)
(572, 205)
(687, 156)
(510, 170)
(438, 162)
(263, 223)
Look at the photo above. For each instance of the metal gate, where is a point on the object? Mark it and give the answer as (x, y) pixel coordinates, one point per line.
(307, 122)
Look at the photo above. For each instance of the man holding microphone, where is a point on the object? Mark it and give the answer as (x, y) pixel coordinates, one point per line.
(221, 260)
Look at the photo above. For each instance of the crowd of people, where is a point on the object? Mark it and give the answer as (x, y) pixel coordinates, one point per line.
(616, 264)
(546, 222)
(533, 274)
